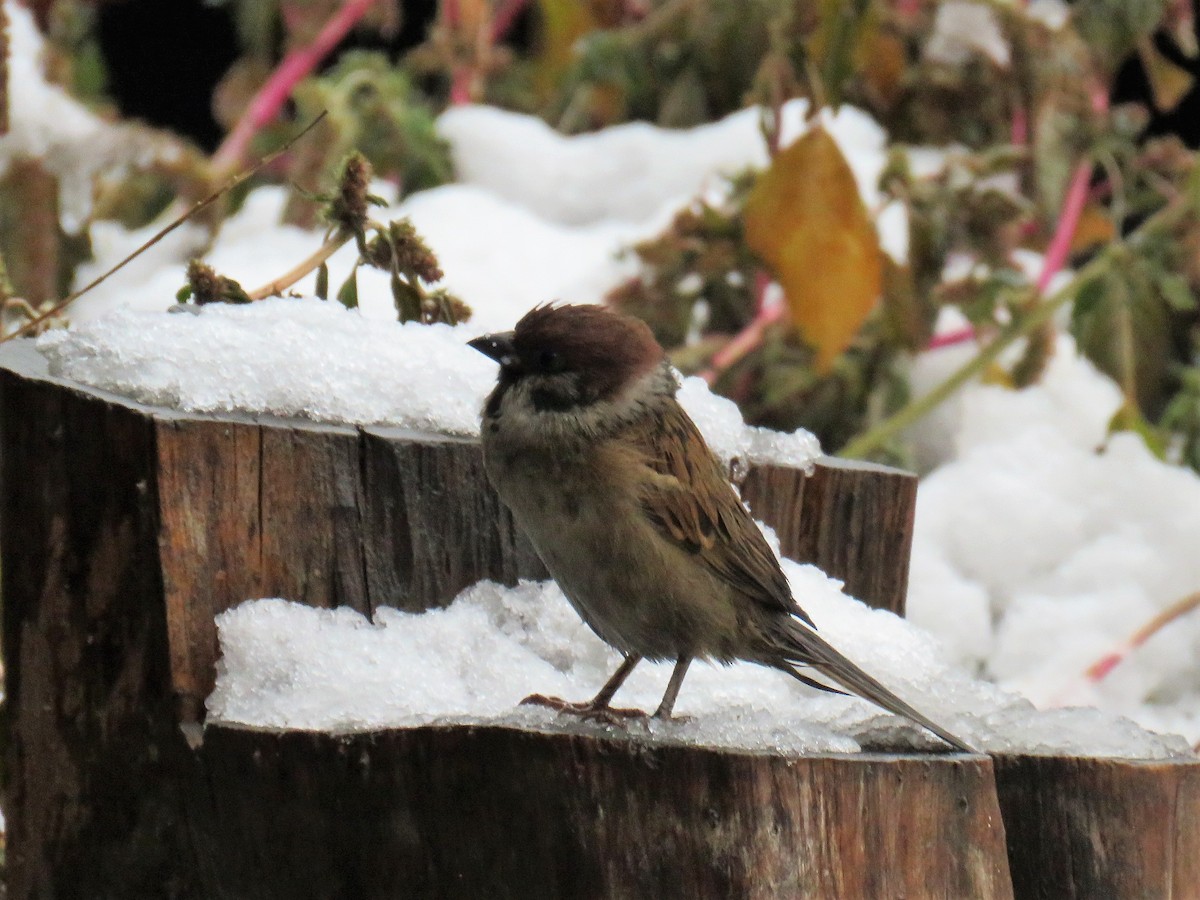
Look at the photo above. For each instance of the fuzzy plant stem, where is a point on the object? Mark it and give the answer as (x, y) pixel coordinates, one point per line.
(1098, 671)
(1056, 253)
(272, 96)
(744, 342)
(1019, 327)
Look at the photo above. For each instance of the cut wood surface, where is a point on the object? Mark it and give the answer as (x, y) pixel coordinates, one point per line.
(505, 813)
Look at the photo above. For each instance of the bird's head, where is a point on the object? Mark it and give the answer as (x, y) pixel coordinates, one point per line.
(566, 358)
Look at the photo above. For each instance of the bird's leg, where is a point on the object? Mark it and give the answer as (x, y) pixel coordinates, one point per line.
(602, 699)
(673, 686)
(598, 706)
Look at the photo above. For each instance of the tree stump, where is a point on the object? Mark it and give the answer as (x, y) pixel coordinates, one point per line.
(853, 519)
(256, 506)
(124, 529)
(1084, 828)
(496, 812)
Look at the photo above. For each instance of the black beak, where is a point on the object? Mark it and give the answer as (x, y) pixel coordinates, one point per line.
(497, 346)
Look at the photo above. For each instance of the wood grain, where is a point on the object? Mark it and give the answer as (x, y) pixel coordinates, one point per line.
(852, 519)
(432, 525)
(1099, 828)
(419, 813)
(88, 711)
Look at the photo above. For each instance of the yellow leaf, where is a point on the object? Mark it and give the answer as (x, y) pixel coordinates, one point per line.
(881, 59)
(562, 24)
(472, 15)
(1095, 227)
(1168, 83)
(805, 219)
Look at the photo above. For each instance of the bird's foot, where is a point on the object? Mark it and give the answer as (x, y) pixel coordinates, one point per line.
(673, 719)
(608, 715)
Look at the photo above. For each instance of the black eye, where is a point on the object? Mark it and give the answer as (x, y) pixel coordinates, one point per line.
(551, 361)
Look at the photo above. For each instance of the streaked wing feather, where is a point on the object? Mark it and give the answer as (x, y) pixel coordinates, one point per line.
(693, 504)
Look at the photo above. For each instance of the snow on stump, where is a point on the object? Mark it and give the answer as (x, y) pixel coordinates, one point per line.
(125, 529)
(252, 506)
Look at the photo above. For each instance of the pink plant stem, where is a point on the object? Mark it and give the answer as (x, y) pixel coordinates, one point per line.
(1056, 253)
(762, 281)
(950, 338)
(743, 342)
(1098, 670)
(1019, 130)
(1068, 222)
(504, 17)
(275, 93)
(460, 85)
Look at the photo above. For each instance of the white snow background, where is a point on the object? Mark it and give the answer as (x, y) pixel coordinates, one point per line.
(1041, 543)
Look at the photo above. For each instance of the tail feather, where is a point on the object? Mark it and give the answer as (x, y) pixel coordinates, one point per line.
(806, 647)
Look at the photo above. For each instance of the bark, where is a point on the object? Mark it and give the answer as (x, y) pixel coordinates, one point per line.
(852, 519)
(1081, 828)
(499, 812)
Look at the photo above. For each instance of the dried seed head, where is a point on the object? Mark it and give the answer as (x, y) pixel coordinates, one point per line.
(401, 248)
(348, 208)
(206, 286)
(442, 306)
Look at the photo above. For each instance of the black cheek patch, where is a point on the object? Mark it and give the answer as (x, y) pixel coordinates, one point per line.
(547, 400)
(507, 379)
(492, 409)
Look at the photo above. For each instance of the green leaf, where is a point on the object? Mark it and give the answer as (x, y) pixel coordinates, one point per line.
(1123, 325)
(347, 294)
(1112, 28)
(379, 113)
(184, 294)
(1177, 292)
(323, 281)
(407, 300)
(1130, 418)
(1182, 418)
(1088, 298)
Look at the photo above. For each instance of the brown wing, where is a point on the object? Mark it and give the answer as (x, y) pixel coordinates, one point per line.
(694, 505)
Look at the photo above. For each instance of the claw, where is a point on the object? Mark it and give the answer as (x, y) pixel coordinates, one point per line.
(542, 700)
(609, 715)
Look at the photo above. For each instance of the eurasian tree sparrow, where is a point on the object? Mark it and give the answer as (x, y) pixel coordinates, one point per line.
(632, 513)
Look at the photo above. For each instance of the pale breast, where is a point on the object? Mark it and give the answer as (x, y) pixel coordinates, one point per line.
(636, 590)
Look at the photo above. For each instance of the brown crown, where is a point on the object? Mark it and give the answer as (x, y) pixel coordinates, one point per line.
(606, 349)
